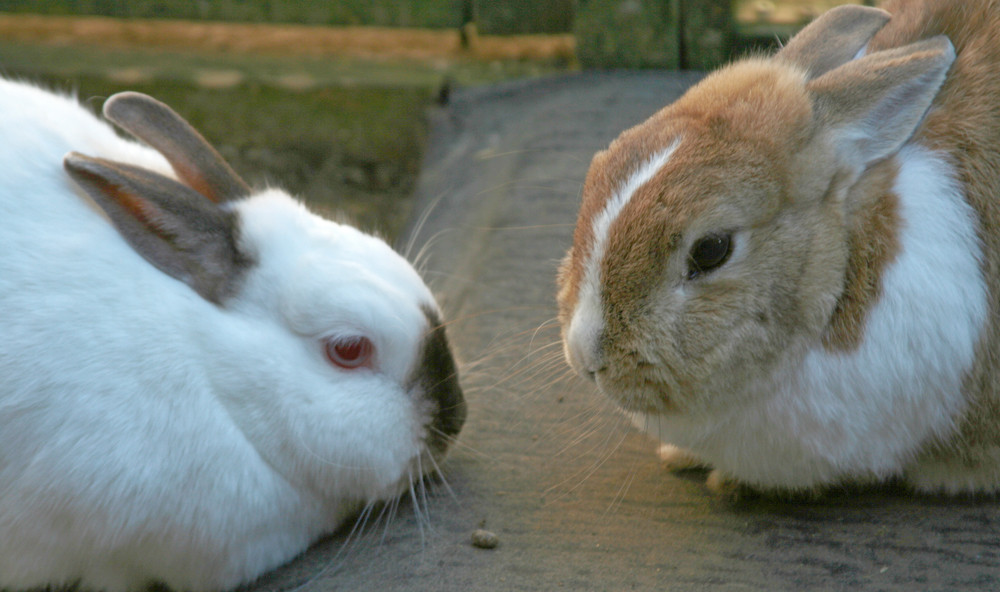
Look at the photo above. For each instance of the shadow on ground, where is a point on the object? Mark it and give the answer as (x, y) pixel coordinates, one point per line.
(577, 499)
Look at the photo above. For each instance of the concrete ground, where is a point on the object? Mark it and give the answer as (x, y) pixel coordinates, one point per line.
(577, 499)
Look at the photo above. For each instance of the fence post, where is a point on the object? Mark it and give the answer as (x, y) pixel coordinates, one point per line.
(670, 34)
(627, 33)
(707, 33)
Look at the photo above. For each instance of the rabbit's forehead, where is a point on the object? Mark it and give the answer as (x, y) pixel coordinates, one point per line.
(717, 157)
(327, 276)
(727, 131)
(336, 301)
(368, 285)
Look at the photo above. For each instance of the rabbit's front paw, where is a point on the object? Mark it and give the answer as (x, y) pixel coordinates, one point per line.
(675, 458)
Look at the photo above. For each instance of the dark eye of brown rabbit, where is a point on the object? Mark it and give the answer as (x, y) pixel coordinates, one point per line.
(709, 252)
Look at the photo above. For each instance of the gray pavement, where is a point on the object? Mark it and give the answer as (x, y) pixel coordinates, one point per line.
(577, 499)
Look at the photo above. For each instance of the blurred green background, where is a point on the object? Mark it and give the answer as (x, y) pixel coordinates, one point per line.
(500, 17)
(330, 99)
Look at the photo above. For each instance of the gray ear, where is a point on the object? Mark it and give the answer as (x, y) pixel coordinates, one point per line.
(871, 106)
(835, 38)
(194, 160)
(173, 227)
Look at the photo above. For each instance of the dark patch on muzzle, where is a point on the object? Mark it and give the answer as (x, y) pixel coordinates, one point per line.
(437, 378)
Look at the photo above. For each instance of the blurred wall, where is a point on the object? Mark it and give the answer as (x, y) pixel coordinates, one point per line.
(500, 17)
(677, 34)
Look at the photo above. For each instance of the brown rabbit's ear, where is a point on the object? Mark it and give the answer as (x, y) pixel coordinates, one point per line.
(869, 107)
(173, 227)
(194, 160)
(833, 39)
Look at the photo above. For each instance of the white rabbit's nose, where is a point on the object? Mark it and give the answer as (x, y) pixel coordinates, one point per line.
(583, 341)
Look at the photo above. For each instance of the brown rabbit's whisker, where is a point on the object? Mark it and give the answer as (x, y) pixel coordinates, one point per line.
(528, 227)
(585, 473)
(586, 418)
(623, 488)
(529, 363)
(490, 311)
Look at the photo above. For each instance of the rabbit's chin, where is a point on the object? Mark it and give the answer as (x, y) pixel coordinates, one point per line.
(640, 400)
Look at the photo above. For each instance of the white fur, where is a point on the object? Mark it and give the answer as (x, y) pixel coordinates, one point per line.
(147, 434)
(867, 411)
(587, 322)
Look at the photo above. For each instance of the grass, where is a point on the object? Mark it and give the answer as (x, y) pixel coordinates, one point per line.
(293, 73)
(350, 152)
(314, 110)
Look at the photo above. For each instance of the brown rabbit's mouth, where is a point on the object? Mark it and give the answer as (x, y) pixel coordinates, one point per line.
(637, 392)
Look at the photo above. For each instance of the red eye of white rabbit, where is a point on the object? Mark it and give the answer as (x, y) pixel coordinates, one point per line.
(349, 352)
(709, 252)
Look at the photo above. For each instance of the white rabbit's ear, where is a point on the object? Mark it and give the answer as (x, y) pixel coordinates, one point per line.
(173, 227)
(871, 106)
(194, 160)
(835, 38)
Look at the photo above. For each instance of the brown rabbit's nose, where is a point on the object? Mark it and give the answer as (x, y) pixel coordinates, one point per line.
(592, 374)
(583, 346)
(590, 362)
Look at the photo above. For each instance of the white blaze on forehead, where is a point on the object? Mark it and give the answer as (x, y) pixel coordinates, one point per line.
(585, 326)
(614, 207)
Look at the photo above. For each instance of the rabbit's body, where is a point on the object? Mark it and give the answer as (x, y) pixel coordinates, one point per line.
(964, 128)
(150, 434)
(859, 410)
(791, 273)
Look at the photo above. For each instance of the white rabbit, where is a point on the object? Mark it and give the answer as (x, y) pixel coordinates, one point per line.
(191, 390)
(792, 273)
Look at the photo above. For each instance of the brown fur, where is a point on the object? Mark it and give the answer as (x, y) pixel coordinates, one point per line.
(754, 157)
(700, 172)
(718, 153)
(965, 123)
(742, 131)
(872, 244)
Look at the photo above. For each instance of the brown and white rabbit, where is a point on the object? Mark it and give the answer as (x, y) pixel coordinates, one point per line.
(792, 273)
(197, 380)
